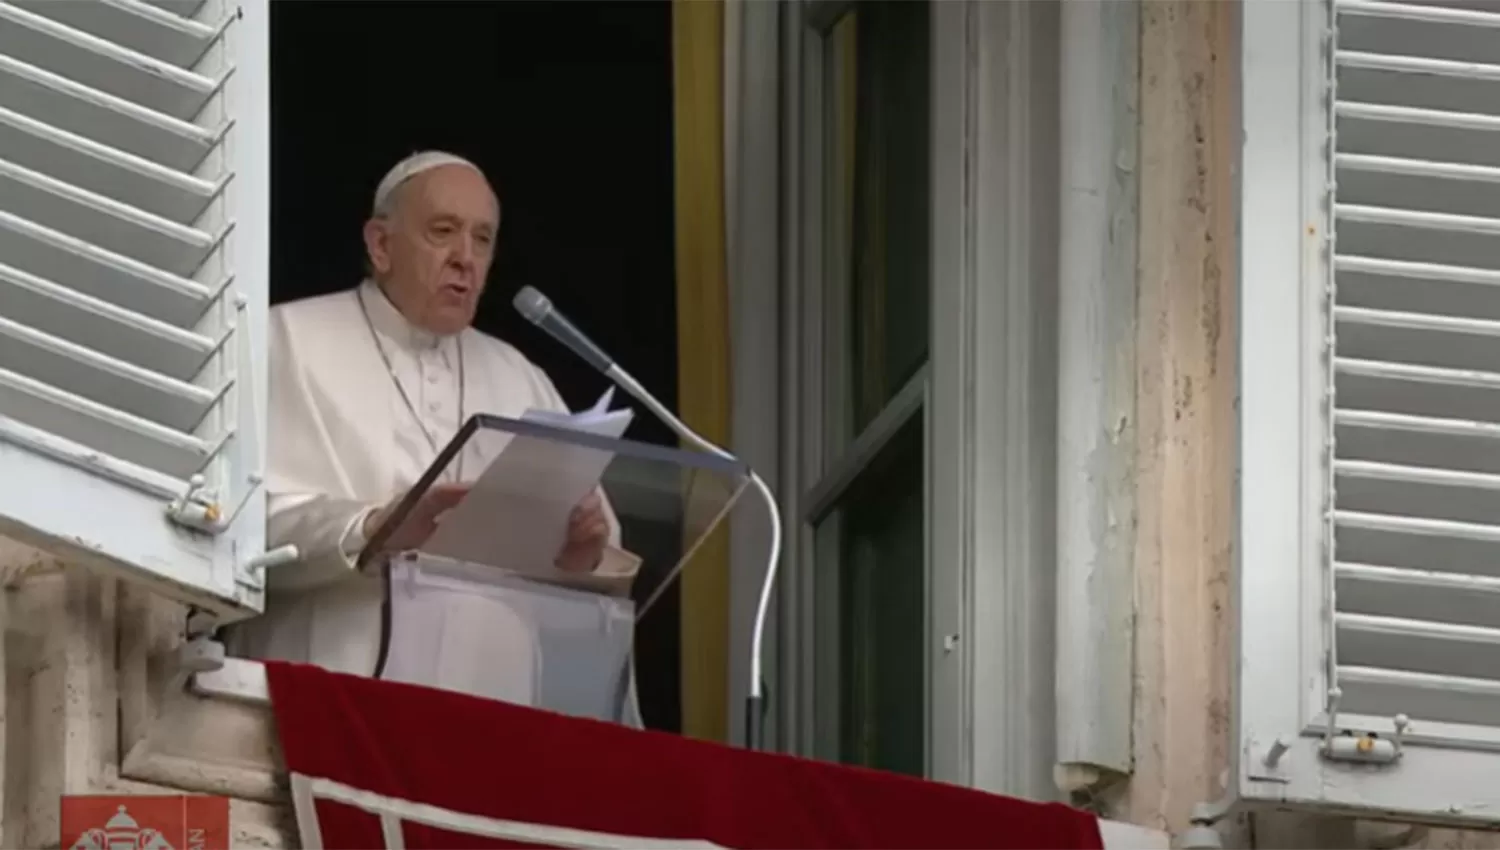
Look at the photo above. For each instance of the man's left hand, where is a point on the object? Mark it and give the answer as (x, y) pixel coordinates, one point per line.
(588, 534)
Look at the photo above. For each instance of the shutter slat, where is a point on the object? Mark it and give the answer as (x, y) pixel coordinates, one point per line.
(1416, 424)
(105, 222)
(1423, 82)
(1415, 467)
(1360, 214)
(1453, 342)
(1445, 33)
(1418, 65)
(1355, 163)
(1418, 12)
(1419, 235)
(1416, 491)
(1431, 134)
(1433, 187)
(1417, 526)
(1447, 649)
(183, 8)
(1385, 113)
(104, 65)
(101, 169)
(1447, 699)
(1446, 290)
(101, 428)
(55, 100)
(1419, 594)
(1419, 441)
(116, 383)
(1465, 548)
(100, 273)
(134, 24)
(105, 327)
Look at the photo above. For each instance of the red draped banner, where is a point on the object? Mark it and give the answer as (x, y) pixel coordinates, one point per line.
(528, 767)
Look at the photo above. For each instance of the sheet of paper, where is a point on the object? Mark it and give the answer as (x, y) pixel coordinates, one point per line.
(516, 513)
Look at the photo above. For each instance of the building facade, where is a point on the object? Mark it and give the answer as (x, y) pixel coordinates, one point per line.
(1032, 314)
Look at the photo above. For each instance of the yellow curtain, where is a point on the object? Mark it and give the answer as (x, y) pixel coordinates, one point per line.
(702, 340)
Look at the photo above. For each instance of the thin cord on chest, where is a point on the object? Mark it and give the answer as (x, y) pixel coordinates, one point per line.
(390, 369)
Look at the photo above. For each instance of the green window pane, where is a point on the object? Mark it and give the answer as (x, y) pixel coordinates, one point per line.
(881, 167)
(878, 582)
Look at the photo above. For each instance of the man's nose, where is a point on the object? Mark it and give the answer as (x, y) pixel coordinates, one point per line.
(464, 254)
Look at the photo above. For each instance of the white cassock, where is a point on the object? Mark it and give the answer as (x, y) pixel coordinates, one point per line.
(342, 439)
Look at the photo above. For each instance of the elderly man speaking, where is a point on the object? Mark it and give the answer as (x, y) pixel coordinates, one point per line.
(366, 387)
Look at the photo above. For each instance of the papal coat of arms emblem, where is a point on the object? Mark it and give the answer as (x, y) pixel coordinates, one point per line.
(121, 832)
(180, 822)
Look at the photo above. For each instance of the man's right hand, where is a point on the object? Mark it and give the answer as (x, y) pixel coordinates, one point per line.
(420, 522)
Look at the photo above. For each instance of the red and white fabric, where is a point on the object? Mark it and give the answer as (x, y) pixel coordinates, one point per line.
(399, 765)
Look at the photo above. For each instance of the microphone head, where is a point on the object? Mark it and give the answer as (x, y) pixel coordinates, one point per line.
(532, 304)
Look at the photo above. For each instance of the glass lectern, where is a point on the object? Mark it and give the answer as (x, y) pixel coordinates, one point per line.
(494, 601)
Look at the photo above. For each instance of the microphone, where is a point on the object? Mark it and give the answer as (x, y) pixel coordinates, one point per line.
(537, 309)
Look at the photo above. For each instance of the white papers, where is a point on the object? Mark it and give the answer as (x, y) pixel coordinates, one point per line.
(598, 419)
(516, 513)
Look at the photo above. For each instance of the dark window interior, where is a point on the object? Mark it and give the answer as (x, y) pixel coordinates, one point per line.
(568, 109)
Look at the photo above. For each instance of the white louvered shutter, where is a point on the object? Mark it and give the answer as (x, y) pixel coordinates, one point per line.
(1384, 564)
(134, 187)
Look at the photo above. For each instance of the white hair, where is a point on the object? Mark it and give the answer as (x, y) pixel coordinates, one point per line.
(408, 168)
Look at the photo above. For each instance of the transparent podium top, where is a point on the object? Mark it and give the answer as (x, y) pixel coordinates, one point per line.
(532, 498)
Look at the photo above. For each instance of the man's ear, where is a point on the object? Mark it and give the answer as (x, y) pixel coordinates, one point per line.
(377, 245)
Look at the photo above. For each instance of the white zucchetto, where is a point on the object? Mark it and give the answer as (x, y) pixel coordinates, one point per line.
(410, 167)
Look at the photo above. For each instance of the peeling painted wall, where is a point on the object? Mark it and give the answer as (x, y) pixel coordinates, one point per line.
(1185, 378)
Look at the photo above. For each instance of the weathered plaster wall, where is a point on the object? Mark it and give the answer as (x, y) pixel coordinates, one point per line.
(1185, 378)
(89, 708)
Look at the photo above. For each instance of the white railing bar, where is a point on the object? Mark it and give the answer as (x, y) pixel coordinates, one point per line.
(305, 807)
(508, 830)
(390, 831)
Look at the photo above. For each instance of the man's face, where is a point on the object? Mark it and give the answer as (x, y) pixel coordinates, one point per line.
(432, 252)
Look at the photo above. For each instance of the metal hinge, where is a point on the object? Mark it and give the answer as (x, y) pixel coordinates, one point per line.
(1360, 747)
(198, 508)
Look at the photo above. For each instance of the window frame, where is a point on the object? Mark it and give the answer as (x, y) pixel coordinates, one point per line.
(824, 474)
(1281, 678)
(988, 398)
